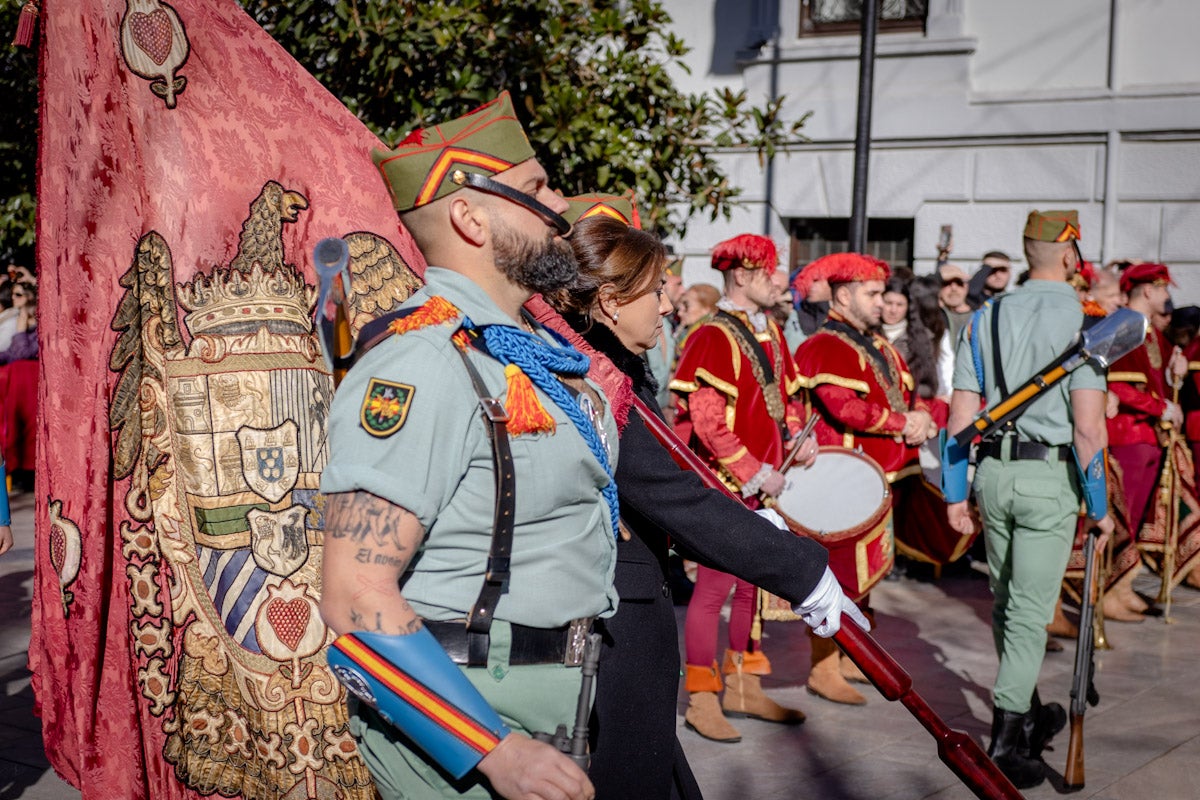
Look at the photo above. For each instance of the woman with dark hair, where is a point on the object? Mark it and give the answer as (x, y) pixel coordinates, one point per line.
(923, 296)
(617, 305)
(904, 329)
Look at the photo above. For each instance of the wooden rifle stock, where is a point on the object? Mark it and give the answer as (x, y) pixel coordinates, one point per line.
(1082, 690)
(957, 750)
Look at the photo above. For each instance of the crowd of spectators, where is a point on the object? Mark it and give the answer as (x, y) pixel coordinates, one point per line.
(18, 374)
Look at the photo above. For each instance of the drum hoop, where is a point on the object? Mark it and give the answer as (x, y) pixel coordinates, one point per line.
(880, 512)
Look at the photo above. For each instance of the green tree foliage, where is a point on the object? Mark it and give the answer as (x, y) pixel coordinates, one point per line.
(591, 77)
(18, 150)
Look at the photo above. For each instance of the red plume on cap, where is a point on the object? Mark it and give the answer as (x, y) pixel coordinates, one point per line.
(748, 251)
(1145, 273)
(811, 273)
(1087, 271)
(848, 268)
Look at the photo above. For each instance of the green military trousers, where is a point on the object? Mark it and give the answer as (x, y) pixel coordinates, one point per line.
(528, 698)
(1029, 510)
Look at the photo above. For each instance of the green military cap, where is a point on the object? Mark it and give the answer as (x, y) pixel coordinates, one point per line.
(423, 167)
(618, 206)
(1052, 226)
(675, 267)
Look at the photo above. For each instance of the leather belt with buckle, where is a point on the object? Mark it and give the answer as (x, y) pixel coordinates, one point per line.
(562, 645)
(1011, 449)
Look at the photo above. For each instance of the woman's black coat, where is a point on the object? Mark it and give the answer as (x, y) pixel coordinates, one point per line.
(635, 751)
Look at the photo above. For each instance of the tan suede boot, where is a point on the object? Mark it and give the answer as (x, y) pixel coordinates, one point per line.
(1123, 589)
(744, 697)
(704, 714)
(753, 663)
(1118, 611)
(1060, 626)
(850, 670)
(825, 678)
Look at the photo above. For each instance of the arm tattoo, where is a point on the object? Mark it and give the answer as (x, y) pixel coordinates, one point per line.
(361, 516)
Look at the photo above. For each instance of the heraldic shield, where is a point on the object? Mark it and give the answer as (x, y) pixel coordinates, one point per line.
(223, 437)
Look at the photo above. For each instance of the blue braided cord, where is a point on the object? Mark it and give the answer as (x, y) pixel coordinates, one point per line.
(538, 359)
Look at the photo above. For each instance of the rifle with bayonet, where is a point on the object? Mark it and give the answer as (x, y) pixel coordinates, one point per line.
(1083, 689)
(1103, 343)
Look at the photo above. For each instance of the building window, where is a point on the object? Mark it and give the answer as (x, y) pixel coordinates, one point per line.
(888, 239)
(839, 17)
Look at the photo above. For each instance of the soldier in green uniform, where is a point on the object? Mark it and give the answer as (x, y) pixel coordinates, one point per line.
(411, 550)
(1029, 477)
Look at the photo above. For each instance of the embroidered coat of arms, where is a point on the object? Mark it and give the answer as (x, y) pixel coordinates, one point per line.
(222, 433)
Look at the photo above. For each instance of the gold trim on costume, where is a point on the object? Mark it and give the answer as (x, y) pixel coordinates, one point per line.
(1127, 377)
(848, 440)
(902, 473)
(721, 386)
(878, 426)
(687, 387)
(833, 380)
(1193, 366)
(907, 379)
(742, 451)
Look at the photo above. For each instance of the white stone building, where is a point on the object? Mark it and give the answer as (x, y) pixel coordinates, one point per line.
(983, 110)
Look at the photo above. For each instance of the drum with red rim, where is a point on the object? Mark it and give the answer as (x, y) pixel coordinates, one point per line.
(844, 502)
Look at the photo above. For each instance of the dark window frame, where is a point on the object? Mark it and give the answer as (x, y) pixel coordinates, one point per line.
(909, 23)
(888, 238)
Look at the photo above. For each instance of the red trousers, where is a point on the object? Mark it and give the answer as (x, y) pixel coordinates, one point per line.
(704, 615)
(18, 414)
(1139, 464)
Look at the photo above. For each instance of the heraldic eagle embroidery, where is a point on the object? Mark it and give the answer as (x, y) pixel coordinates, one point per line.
(220, 427)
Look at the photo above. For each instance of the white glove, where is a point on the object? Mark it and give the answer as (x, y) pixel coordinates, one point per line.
(822, 610)
(772, 516)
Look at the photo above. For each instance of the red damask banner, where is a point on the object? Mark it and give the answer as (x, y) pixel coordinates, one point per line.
(188, 166)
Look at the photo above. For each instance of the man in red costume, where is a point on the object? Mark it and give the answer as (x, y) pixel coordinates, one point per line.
(1142, 382)
(863, 393)
(733, 399)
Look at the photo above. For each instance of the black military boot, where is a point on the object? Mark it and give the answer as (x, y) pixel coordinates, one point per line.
(1042, 723)
(1011, 753)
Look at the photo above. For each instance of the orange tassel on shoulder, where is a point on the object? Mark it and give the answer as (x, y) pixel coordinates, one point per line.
(525, 412)
(435, 311)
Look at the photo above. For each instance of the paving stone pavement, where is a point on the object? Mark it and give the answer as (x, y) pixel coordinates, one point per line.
(1142, 742)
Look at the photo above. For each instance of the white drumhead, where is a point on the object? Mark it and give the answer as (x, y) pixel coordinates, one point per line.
(842, 490)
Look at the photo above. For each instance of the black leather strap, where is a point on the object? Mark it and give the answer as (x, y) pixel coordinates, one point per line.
(486, 184)
(495, 578)
(1017, 450)
(997, 364)
(529, 645)
(376, 331)
(864, 342)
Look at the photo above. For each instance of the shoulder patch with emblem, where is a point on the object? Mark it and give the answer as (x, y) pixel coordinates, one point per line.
(385, 407)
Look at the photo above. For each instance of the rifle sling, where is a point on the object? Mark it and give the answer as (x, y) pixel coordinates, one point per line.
(495, 579)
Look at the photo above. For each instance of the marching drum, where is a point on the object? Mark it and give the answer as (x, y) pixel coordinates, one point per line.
(843, 501)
